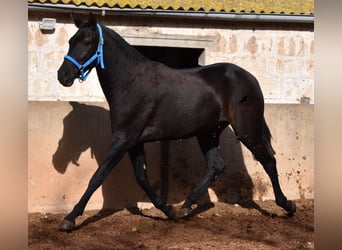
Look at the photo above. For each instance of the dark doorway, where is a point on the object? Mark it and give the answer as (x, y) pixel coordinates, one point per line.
(172, 56)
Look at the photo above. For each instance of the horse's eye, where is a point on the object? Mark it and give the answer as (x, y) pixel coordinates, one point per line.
(87, 42)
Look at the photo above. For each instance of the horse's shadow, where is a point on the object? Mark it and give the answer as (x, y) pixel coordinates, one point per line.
(174, 167)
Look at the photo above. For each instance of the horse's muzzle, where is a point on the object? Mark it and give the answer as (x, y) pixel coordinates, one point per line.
(65, 78)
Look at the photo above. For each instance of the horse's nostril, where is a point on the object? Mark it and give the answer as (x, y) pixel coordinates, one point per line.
(62, 75)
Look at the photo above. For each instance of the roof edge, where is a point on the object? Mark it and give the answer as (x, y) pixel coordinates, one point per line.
(227, 16)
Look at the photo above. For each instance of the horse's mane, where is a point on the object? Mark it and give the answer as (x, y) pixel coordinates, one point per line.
(124, 46)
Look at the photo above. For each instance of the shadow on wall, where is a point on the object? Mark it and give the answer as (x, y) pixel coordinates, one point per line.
(174, 167)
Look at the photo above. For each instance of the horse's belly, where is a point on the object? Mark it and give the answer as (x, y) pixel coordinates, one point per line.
(174, 123)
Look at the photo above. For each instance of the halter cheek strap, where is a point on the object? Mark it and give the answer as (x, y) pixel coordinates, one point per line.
(97, 56)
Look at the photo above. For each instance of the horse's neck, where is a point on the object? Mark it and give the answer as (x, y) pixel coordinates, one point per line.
(119, 56)
(119, 59)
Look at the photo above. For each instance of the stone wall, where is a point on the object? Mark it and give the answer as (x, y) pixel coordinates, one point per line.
(281, 58)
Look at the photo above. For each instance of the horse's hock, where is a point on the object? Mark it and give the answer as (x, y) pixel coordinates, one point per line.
(67, 140)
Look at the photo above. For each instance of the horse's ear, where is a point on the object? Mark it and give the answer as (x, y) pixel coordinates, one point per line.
(92, 20)
(76, 21)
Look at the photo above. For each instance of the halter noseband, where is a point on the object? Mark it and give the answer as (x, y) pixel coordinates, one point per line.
(97, 56)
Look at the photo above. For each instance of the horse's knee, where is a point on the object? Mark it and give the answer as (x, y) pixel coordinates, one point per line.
(219, 167)
(97, 180)
(215, 162)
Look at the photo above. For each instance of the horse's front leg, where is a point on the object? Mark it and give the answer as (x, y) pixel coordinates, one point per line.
(137, 155)
(120, 144)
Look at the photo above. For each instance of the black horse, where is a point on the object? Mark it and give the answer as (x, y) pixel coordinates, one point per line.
(149, 101)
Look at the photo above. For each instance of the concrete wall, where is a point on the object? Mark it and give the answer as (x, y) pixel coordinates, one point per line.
(67, 140)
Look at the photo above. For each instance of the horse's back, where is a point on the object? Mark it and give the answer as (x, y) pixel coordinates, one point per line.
(221, 77)
(229, 76)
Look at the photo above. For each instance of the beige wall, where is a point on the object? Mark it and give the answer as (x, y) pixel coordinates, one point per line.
(60, 133)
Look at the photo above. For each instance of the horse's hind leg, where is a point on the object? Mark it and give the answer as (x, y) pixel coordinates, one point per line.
(215, 165)
(137, 156)
(253, 132)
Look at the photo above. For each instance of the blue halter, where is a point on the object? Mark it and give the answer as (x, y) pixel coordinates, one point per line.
(97, 56)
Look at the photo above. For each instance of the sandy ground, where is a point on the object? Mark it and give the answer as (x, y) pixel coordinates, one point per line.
(250, 225)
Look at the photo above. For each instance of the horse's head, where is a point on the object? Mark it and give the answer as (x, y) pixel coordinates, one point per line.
(85, 52)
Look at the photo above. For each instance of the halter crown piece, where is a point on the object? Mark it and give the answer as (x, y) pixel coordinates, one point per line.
(97, 56)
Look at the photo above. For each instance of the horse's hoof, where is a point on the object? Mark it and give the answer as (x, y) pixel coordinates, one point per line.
(172, 215)
(291, 208)
(170, 212)
(185, 212)
(66, 226)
